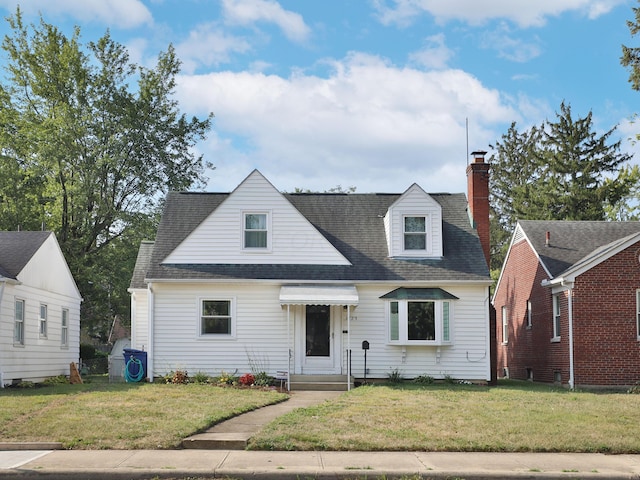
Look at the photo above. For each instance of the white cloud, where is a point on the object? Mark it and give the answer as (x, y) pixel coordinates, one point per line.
(370, 124)
(515, 49)
(525, 13)
(435, 53)
(210, 46)
(114, 13)
(247, 12)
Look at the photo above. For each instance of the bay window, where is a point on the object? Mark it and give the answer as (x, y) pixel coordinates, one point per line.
(419, 316)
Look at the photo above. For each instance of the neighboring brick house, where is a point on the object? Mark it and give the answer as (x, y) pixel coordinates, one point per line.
(568, 304)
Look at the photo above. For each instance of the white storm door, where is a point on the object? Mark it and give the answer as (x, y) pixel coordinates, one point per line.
(319, 340)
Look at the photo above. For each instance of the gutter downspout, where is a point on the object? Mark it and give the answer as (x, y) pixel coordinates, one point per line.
(289, 348)
(2, 284)
(570, 308)
(348, 347)
(150, 316)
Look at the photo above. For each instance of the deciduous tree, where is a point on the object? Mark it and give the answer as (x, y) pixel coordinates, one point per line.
(95, 138)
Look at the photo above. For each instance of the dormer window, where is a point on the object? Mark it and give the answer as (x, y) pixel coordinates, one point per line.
(256, 231)
(415, 233)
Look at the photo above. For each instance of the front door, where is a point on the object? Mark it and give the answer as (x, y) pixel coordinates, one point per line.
(319, 340)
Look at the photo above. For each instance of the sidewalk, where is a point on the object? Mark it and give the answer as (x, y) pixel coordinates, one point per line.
(226, 463)
(240, 464)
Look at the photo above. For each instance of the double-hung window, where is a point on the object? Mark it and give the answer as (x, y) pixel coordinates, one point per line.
(18, 323)
(256, 231)
(64, 331)
(638, 314)
(415, 233)
(216, 318)
(419, 322)
(505, 325)
(43, 321)
(556, 317)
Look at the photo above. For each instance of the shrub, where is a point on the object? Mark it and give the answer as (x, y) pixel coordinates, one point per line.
(200, 378)
(395, 376)
(261, 379)
(424, 380)
(59, 380)
(227, 378)
(177, 377)
(247, 379)
(635, 388)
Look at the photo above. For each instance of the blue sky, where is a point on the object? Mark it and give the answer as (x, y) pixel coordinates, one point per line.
(374, 94)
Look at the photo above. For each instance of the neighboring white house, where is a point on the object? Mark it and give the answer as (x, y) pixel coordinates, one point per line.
(39, 309)
(297, 282)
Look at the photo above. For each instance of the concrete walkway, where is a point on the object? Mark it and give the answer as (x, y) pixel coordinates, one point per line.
(234, 433)
(41, 461)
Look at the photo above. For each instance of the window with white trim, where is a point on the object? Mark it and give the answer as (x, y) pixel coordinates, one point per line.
(556, 317)
(216, 317)
(256, 231)
(505, 325)
(415, 233)
(419, 322)
(18, 323)
(529, 314)
(43, 320)
(638, 314)
(64, 329)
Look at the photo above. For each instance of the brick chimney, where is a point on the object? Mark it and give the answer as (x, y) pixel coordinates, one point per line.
(478, 198)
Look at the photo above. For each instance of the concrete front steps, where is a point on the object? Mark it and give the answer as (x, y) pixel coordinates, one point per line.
(328, 383)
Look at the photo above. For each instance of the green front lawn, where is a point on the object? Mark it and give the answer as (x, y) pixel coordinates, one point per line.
(513, 417)
(123, 415)
(516, 416)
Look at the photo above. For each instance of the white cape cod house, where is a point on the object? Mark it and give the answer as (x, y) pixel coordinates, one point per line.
(39, 309)
(297, 283)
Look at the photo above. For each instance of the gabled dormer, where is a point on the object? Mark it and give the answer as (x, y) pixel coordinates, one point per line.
(256, 224)
(413, 225)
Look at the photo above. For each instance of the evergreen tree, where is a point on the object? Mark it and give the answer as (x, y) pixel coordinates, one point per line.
(560, 170)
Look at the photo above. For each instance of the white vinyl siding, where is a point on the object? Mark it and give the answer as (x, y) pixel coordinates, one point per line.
(261, 333)
(411, 210)
(292, 239)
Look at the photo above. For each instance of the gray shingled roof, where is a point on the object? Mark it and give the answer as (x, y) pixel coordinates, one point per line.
(16, 249)
(142, 264)
(353, 223)
(571, 241)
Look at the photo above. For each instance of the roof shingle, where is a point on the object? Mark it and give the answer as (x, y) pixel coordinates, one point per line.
(353, 223)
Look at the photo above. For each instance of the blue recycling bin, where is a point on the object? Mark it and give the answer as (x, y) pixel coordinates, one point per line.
(135, 365)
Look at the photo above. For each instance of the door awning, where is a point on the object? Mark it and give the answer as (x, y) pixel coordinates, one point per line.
(318, 295)
(419, 294)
